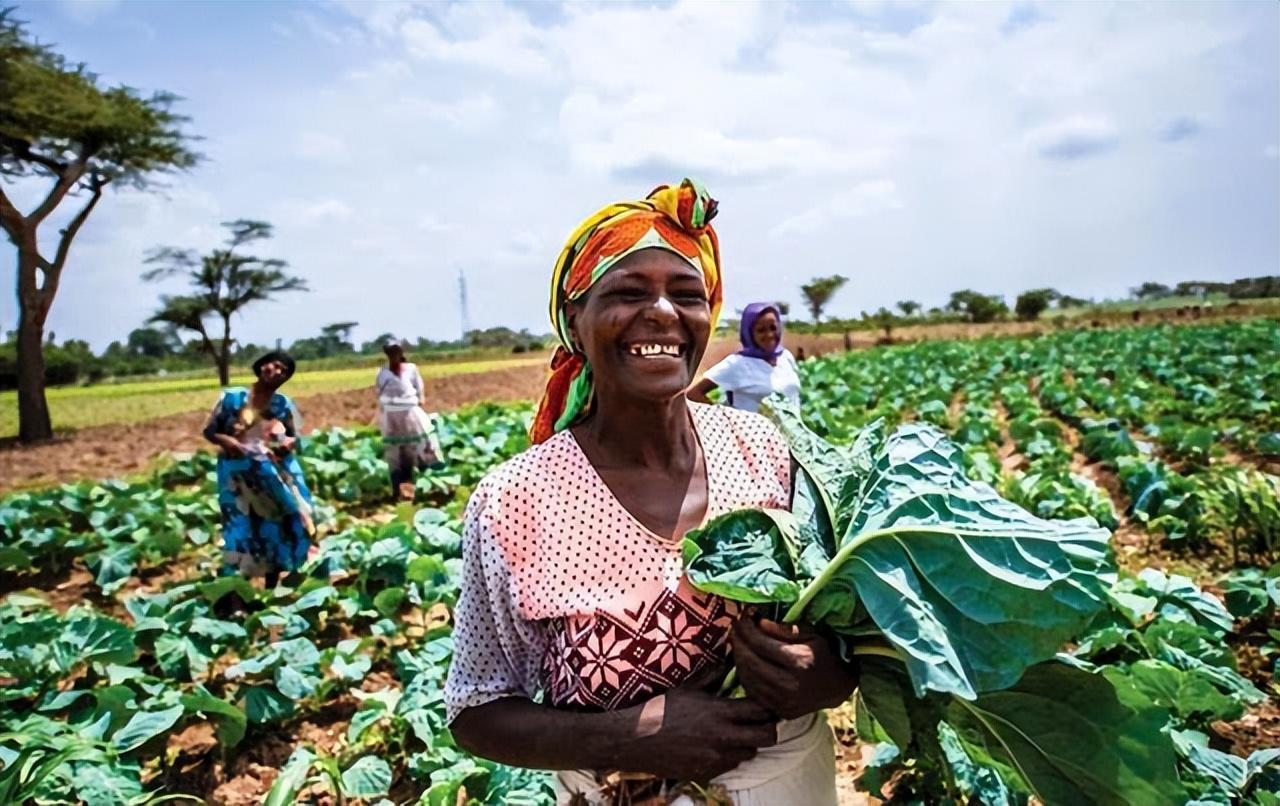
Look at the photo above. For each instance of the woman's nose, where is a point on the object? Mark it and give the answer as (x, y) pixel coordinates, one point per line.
(662, 309)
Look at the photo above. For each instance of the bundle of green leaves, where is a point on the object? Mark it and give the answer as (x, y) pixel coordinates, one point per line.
(955, 602)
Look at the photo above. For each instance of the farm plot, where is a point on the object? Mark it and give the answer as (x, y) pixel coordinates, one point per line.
(123, 679)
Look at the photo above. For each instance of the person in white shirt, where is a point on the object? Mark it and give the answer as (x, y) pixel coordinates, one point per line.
(408, 442)
(763, 366)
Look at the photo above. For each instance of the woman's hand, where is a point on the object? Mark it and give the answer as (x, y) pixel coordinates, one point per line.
(789, 670)
(690, 735)
(285, 444)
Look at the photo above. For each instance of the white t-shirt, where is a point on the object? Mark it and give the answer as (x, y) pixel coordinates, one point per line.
(750, 380)
(399, 391)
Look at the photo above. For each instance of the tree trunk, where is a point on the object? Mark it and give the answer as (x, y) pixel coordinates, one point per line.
(224, 369)
(34, 424)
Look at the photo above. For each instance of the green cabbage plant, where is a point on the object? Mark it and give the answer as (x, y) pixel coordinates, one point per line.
(955, 602)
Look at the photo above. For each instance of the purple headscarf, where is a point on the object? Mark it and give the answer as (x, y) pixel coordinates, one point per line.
(746, 331)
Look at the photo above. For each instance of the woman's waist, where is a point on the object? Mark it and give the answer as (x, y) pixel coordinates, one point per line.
(797, 740)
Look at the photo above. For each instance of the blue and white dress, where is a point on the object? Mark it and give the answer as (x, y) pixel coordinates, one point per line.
(267, 524)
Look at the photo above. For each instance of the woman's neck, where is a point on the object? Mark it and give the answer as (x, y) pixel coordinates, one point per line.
(260, 394)
(631, 432)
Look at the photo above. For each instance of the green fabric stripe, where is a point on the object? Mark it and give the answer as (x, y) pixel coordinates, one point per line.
(577, 399)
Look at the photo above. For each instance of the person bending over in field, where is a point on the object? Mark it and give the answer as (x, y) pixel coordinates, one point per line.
(266, 506)
(408, 442)
(763, 366)
(579, 645)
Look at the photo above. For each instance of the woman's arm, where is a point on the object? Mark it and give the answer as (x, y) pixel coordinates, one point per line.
(229, 444)
(684, 734)
(699, 391)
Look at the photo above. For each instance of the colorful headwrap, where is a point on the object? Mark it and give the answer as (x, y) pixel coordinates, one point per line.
(677, 219)
(746, 331)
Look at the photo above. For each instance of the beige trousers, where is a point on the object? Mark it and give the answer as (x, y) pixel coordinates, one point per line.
(800, 769)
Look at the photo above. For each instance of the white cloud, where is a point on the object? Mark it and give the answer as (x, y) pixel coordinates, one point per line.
(472, 112)
(320, 146)
(904, 145)
(863, 199)
(1073, 138)
(85, 12)
(313, 213)
(485, 36)
(429, 222)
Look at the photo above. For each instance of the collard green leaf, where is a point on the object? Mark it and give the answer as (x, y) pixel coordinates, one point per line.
(748, 556)
(292, 778)
(93, 638)
(265, 704)
(231, 721)
(368, 777)
(970, 588)
(1074, 737)
(144, 726)
(1189, 694)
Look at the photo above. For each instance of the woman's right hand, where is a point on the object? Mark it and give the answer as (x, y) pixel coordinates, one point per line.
(700, 736)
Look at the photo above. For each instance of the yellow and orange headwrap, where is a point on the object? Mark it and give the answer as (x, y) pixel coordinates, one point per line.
(677, 219)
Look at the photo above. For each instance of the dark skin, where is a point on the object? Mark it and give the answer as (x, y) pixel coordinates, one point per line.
(766, 331)
(642, 442)
(271, 377)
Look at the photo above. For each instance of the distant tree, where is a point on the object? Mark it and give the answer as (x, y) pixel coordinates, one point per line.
(1030, 304)
(152, 342)
(225, 282)
(978, 308)
(1150, 290)
(819, 291)
(1068, 301)
(57, 123)
(340, 332)
(908, 307)
(885, 320)
(375, 345)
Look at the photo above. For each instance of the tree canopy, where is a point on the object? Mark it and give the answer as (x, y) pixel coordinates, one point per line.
(819, 291)
(224, 282)
(58, 123)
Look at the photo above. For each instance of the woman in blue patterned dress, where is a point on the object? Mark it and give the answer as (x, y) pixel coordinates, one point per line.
(267, 525)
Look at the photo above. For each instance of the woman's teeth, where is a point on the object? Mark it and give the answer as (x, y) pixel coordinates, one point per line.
(651, 350)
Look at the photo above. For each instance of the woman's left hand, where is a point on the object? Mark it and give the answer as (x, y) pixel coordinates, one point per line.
(286, 443)
(788, 669)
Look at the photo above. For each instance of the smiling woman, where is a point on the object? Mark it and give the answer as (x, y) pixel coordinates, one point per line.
(579, 645)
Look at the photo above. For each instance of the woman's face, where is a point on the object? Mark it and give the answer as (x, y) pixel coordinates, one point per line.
(644, 326)
(273, 374)
(395, 355)
(765, 331)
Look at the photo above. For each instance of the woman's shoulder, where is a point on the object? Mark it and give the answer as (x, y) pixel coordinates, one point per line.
(537, 472)
(745, 426)
(233, 397)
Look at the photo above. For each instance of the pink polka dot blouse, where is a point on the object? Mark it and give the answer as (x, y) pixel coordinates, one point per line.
(567, 599)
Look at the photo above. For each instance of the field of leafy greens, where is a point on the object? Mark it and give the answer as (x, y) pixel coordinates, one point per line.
(120, 683)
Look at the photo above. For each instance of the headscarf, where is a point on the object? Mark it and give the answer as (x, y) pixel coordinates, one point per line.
(677, 219)
(747, 334)
(276, 355)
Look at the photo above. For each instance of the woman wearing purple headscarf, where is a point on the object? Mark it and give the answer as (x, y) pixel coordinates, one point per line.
(763, 366)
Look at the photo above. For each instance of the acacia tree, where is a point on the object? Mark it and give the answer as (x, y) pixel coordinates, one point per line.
(819, 291)
(57, 124)
(908, 307)
(224, 282)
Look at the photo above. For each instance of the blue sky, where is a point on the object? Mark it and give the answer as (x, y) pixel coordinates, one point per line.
(917, 148)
